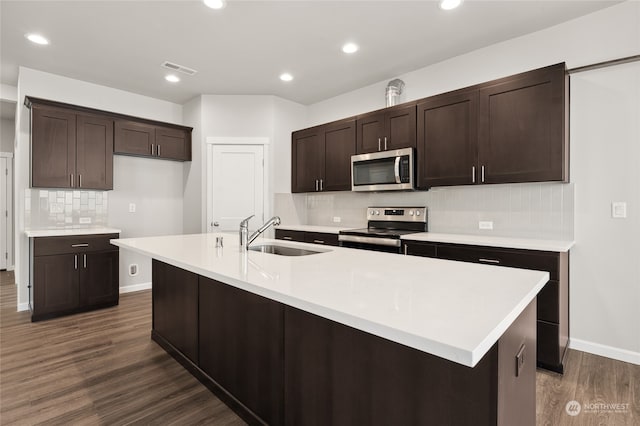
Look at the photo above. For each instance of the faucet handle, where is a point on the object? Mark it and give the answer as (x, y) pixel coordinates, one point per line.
(245, 222)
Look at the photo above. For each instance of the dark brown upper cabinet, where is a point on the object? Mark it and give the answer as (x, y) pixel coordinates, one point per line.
(70, 150)
(173, 144)
(504, 131)
(522, 129)
(447, 139)
(134, 138)
(391, 128)
(321, 157)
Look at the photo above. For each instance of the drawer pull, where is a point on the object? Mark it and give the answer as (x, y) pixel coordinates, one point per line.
(75, 261)
(287, 238)
(318, 241)
(80, 245)
(85, 261)
(494, 261)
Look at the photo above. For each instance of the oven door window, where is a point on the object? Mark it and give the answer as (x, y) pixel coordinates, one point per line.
(374, 172)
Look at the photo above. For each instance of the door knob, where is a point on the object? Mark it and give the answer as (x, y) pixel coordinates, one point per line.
(215, 224)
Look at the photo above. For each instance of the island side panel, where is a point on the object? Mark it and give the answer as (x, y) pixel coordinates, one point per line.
(337, 375)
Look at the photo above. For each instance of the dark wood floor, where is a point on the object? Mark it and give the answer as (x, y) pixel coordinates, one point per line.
(102, 368)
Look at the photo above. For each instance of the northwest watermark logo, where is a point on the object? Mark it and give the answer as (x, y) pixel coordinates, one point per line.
(573, 408)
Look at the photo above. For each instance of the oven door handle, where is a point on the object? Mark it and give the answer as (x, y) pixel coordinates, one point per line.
(396, 169)
(389, 242)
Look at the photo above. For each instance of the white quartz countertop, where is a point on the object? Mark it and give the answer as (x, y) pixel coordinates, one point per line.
(489, 241)
(314, 228)
(59, 232)
(453, 310)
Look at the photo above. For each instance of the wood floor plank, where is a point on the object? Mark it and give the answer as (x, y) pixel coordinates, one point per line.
(102, 367)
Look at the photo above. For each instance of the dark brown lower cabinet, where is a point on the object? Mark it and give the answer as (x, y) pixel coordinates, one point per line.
(274, 364)
(73, 274)
(241, 346)
(175, 307)
(553, 299)
(324, 238)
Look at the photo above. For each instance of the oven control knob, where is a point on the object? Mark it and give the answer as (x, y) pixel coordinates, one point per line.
(417, 212)
(410, 212)
(378, 212)
(371, 213)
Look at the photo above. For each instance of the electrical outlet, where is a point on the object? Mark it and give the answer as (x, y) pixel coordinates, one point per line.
(132, 207)
(85, 220)
(619, 210)
(133, 269)
(337, 219)
(485, 224)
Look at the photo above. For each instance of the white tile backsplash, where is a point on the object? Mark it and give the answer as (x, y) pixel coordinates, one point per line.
(63, 209)
(532, 210)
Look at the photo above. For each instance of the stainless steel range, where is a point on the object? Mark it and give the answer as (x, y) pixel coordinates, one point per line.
(385, 227)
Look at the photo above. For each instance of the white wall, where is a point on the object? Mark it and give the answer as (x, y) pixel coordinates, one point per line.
(608, 34)
(7, 132)
(151, 184)
(194, 207)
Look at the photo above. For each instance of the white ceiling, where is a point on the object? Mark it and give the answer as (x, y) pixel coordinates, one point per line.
(243, 48)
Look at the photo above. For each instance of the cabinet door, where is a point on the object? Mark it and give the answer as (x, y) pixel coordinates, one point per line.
(99, 280)
(242, 346)
(286, 234)
(307, 160)
(55, 284)
(339, 146)
(94, 152)
(522, 128)
(53, 148)
(370, 132)
(133, 138)
(447, 140)
(323, 238)
(174, 144)
(413, 248)
(400, 128)
(175, 307)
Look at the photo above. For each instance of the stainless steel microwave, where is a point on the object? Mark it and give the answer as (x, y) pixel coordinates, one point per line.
(383, 171)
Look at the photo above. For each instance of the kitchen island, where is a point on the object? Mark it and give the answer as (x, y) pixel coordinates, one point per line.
(346, 336)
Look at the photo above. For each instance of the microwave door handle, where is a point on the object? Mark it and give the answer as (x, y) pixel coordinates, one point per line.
(396, 169)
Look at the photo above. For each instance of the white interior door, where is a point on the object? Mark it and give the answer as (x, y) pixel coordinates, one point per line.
(237, 187)
(4, 229)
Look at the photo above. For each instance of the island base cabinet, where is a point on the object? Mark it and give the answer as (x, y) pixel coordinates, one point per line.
(337, 375)
(241, 346)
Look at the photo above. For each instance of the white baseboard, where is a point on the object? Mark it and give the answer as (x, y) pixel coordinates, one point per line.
(135, 287)
(23, 307)
(11, 268)
(604, 350)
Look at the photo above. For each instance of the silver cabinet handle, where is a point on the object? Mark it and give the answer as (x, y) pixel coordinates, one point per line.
(385, 143)
(473, 174)
(75, 261)
(318, 241)
(71, 176)
(85, 261)
(316, 184)
(494, 261)
(158, 150)
(379, 144)
(482, 173)
(321, 185)
(152, 149)
(287, 238)
(80, 245)
(405, 249)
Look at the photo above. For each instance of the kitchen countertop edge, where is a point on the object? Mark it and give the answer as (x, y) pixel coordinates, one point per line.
(61, 232)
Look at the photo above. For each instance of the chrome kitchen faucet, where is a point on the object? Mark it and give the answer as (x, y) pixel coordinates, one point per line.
(245, 239)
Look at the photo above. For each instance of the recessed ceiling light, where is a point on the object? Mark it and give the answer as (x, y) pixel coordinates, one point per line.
(286, 77)
(449, 4)
(37, 39)
(172, 78)
(350, 48)
(215, 4)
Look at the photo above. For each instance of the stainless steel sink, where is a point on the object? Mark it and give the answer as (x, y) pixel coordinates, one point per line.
(284, 250)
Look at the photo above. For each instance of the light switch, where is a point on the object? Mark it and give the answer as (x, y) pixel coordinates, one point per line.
(619, 210)
(485, 224)
(132, 207)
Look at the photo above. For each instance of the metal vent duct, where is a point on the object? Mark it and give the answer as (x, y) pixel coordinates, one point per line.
(393, 92)
(179, 68)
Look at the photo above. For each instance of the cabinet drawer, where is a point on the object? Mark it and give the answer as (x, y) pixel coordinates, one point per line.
(321, 238)
(549, 303)
(73, 244)
(548, 345)
(285, 234)
(525, 259)
(420, 249)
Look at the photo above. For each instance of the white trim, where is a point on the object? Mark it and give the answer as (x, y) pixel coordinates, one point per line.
(135, 287)
(211, 141)
(11, 268)
(23, 307)
(222, 140)
(606, 351)
(6, 154)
